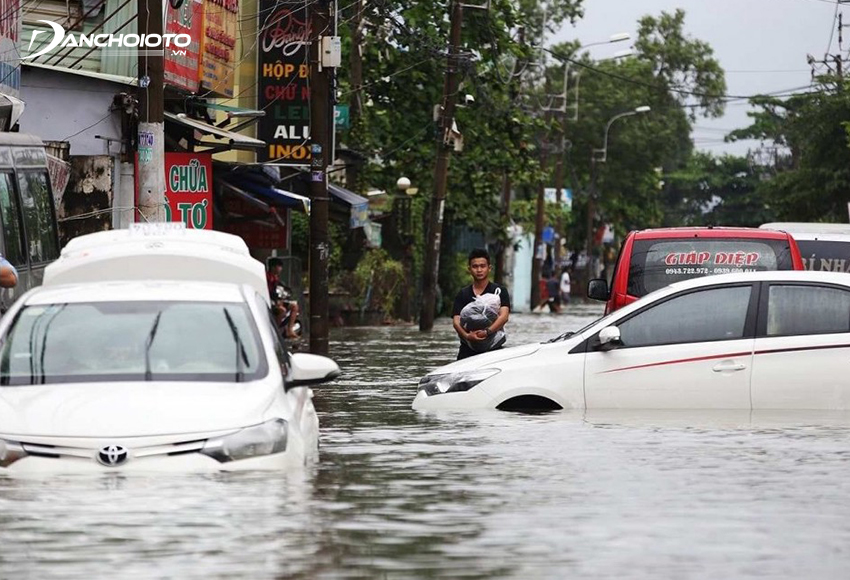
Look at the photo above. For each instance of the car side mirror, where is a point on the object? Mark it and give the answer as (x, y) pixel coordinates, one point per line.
(609, 338)
(310, 369)
(597, 289)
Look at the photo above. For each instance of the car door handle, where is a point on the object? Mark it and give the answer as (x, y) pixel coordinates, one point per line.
(728, 366)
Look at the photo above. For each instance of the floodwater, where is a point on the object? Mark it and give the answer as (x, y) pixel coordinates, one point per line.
(399, 494)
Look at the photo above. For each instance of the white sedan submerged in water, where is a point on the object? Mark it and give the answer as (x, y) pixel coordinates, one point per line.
(766, 340)
(143, 376)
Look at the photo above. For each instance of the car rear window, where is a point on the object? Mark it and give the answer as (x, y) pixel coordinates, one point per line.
(825, 255)
(659, 263)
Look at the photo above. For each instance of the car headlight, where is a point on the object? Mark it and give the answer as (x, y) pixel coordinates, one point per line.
(256, 441)
(10, 452)
(454, 382)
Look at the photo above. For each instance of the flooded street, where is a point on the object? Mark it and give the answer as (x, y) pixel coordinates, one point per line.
(398, 494)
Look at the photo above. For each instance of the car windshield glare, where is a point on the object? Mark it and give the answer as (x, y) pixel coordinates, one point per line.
(132, 341)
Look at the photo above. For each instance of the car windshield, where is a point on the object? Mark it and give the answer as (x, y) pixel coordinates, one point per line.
(131, 341)
(825, 255)
(659, 263)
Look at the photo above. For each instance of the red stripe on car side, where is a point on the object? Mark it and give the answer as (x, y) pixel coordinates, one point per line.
(678, 361)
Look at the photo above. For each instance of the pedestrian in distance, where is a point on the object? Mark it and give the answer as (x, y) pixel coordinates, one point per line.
(284, 309)
(566, 286)
(478, 265)
(553, 301)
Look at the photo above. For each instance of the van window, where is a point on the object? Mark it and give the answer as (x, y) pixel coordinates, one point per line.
(13, 241)
(825, 255)
(659, 263)
(38, 216)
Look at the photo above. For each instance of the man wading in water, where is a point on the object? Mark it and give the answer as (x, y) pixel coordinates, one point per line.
(479, 268)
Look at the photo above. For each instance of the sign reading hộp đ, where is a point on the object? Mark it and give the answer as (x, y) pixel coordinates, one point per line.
(283, 88)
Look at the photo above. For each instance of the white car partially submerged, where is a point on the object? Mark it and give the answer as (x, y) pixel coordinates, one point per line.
(164, 374)
(764, 340)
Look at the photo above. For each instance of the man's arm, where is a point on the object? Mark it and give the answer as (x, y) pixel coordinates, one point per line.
(8, 274)
(473, 336)
(501, 320)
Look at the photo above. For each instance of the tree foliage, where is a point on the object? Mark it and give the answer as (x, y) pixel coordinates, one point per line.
(807, 174)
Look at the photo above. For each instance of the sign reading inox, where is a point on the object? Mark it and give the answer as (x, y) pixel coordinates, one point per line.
(62, 39)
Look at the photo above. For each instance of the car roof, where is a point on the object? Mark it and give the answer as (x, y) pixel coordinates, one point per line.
(134, 291)
(769, 276)
(164, 254)
(709, 232)
(795, 228)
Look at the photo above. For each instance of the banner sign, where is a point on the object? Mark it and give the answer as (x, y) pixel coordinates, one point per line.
(181, 64)
(188, 189)
(218, 46)
(549, 194)
(10, 34)
(283, 90)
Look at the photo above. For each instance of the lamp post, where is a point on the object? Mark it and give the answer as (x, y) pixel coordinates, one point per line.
(404, 227)
(537, 260)
(600, 156)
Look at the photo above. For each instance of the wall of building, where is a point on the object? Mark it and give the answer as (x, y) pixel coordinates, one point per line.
(70, 107)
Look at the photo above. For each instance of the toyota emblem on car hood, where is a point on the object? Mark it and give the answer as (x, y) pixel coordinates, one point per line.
(112, 455)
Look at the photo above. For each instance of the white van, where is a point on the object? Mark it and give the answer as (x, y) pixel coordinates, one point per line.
(824, 247)
(28, 230)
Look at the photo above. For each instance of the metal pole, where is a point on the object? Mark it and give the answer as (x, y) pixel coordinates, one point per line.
(151, 136)
(320, 127)
(431, 266)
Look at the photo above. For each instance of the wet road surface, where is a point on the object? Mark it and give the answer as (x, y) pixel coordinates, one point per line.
(399, 494)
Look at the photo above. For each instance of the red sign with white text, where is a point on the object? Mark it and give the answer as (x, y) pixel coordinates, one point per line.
(188, 189)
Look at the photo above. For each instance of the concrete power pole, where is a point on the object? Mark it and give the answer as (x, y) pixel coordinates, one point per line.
(321, 111)
(435, 215)
(151, 136)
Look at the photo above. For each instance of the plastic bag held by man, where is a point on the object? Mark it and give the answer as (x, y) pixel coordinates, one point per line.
(478, 315)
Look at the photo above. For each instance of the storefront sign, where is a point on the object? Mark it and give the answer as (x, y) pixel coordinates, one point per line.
(218, 46)
(10, 34)
(188, 189)
(181, 64)
(283, 87)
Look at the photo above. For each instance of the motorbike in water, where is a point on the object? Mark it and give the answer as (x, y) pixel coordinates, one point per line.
(285, 309)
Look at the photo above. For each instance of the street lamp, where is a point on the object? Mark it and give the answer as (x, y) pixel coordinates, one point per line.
(619, 37)
(405, 235)
(600, 156)
(604, 151)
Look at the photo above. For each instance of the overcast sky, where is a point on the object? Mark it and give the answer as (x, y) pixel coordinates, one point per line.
(761, 44)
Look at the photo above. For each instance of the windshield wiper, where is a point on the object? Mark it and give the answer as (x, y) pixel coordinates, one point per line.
(564, 336)
(240, 349)
(148, 344)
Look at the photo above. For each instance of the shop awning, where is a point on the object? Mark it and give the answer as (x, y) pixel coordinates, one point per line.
(357, 204)
(345, 196)
(235, 140)
(247, 185)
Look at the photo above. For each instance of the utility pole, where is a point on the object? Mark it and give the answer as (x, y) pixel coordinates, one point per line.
(321, 81)
(356, 76)
(151, 133)
(435, 214)
(513, 93)
(537, 263)
(559, 186)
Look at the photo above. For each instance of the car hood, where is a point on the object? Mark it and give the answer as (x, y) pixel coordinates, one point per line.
(131, 409)
(487, 359)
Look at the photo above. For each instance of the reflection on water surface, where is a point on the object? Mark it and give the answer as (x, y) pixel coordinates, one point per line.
(398, 494)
